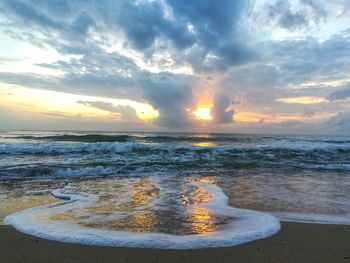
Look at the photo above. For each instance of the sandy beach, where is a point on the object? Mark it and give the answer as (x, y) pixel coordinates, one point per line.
(296, 242)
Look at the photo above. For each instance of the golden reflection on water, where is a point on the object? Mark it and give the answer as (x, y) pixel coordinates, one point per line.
(201, 195)
(197, 197)
(130, 209)
(100, 207)
(142, 193)
(202, 221)
(204, 144)
(145, 222)
(207, 180)
(203, 135)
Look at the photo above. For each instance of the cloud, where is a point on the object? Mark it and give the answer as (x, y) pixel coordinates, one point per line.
(216, 26)
(308, 112)
(97, 73)
(290, 68)
(205, 34)
(125, 113)
(59, 114)
(285, 17)
(341, 121)
(222, 112)
(132, 49)
(105, 106)
(144, 22)
(172, 97)
(52, 16)
(294, 17)
(27, 12)
(341, 94)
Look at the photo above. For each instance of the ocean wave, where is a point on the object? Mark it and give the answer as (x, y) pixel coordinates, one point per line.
(63, 148)
(62, 159)
(167, 138)
(78, 138)
(117, 147)
(136, 138)
(166, 168)
(53, 171)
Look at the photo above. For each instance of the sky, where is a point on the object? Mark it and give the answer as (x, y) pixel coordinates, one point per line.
(235, 66)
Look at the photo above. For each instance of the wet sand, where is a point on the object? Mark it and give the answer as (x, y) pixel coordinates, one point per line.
(295, 243)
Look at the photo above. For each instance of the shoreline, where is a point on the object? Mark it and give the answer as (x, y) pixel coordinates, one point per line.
(296, 242)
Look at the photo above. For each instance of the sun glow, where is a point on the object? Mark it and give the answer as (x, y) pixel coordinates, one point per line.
(203, 114)
(303, 100)
(30, 101)
(257, 117)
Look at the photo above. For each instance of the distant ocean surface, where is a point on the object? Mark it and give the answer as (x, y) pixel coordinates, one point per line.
(170, 190)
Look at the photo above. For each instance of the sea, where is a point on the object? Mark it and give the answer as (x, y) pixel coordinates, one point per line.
(170, 190)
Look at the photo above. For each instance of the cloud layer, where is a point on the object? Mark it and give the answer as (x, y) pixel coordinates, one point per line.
(243, 55)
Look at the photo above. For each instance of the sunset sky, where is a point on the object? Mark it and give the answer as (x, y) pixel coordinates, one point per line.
(176, 65)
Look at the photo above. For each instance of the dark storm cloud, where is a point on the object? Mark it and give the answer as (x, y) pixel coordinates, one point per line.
(144, 22)
(216, 24)
(213, 42)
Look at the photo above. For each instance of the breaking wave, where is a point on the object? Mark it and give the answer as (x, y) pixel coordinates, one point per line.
(116, 147)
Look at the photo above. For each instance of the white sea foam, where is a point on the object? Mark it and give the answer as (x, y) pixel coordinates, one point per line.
(244, 226)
